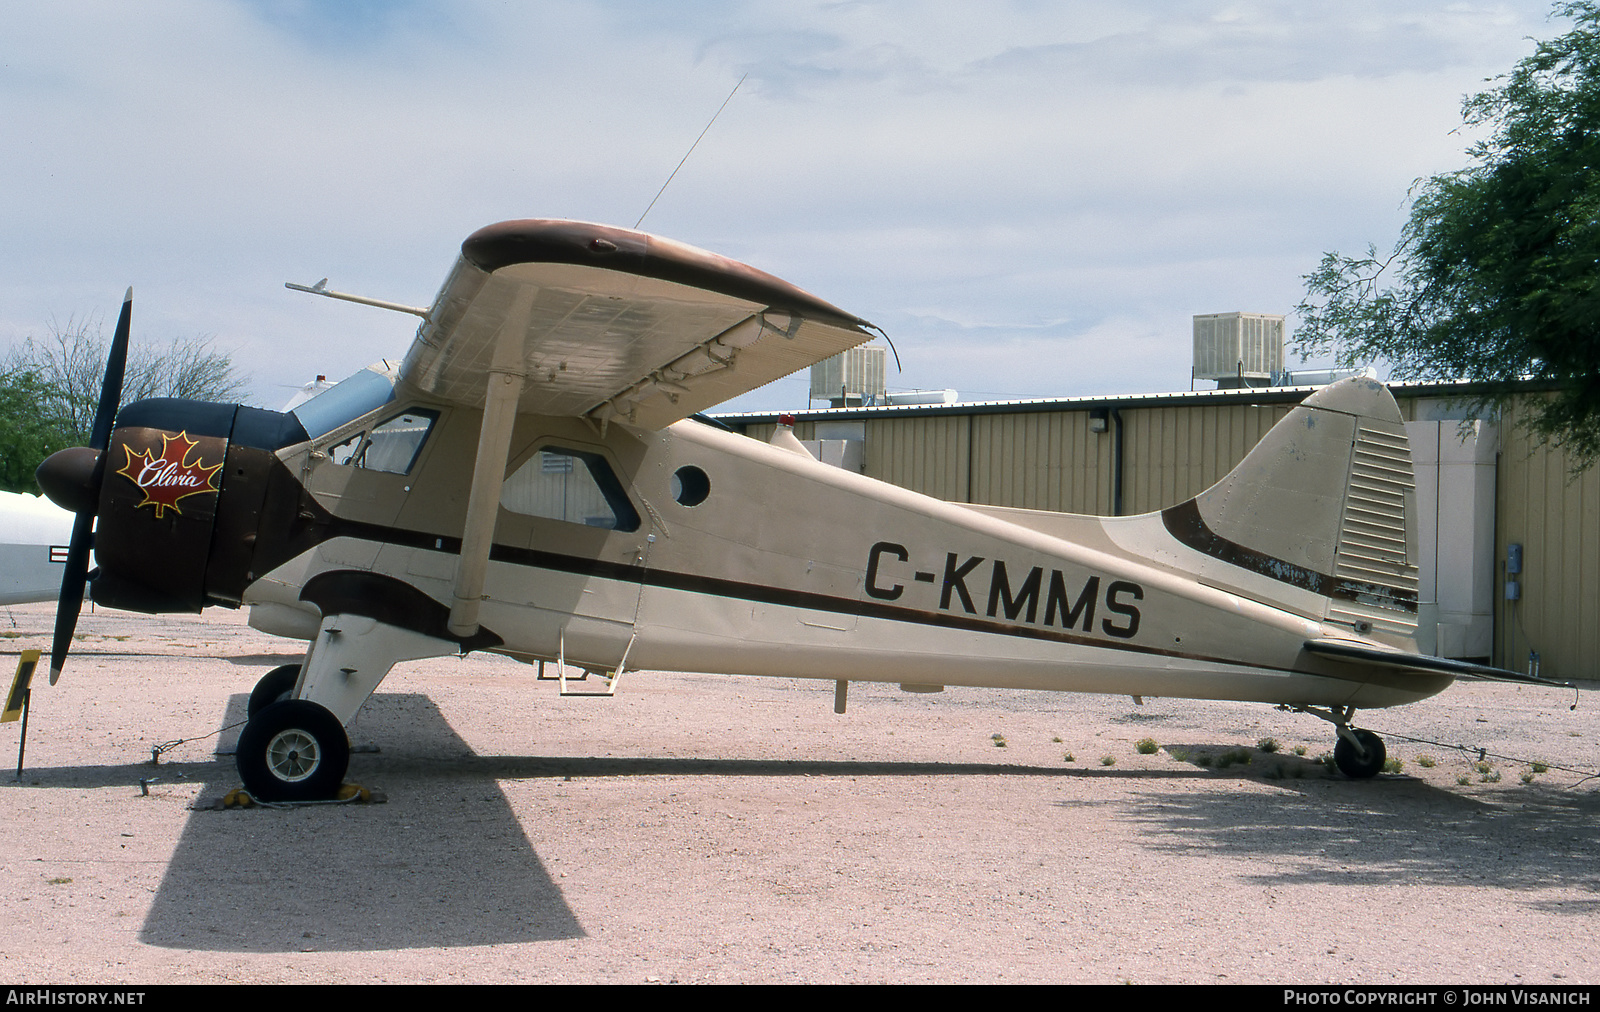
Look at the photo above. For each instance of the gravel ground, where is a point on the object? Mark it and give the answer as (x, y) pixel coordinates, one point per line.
(705, 828)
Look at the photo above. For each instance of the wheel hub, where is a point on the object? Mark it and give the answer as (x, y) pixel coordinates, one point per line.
(293, 755)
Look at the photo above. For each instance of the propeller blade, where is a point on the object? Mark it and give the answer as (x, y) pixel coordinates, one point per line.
(111, 386)
(71, 600)
(77, 569)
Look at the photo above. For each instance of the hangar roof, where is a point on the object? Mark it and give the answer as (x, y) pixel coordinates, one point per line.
(1242, 395)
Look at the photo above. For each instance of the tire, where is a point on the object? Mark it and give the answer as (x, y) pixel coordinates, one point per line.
(294, 750)
(275, 686)
(1350, 762)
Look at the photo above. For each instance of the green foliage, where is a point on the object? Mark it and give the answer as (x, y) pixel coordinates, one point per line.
(1493, 278)
(1146, 746)
(29, 432)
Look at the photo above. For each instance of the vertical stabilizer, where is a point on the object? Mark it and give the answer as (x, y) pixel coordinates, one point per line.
(1324, 505)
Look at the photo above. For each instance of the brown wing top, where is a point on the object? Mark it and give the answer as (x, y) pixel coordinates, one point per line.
(615, 324)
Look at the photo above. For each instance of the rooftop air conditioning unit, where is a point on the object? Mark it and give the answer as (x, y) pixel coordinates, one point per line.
(1238, 349)
(850, 378)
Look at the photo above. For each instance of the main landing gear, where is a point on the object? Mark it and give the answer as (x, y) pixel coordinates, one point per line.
(1358, 753)
(293, 750)
(294, 747)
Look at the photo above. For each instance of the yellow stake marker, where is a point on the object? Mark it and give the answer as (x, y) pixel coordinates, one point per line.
(19, 685)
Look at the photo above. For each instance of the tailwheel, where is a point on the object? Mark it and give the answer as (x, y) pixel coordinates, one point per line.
(293, 750)
(275, 686)
(1350, 760)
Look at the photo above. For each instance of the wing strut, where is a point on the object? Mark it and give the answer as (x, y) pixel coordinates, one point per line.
(506, 375)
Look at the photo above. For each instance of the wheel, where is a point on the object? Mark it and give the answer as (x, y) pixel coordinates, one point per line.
(275, 685)
(1350, 762)
(294, 750)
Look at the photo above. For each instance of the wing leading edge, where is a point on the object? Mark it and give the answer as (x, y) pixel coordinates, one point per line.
(615, 324)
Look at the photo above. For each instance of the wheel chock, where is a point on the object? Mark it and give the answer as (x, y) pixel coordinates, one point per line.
(347, 794)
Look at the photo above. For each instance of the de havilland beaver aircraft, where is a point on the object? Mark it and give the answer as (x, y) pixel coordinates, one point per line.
(530, 481)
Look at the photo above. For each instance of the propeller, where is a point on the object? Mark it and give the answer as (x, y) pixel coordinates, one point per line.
(72, 477)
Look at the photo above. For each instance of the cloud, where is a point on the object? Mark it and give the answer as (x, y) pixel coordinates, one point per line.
(1112, 170)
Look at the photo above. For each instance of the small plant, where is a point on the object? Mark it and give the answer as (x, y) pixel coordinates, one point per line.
(1527, 777)
(1146, 746)
(1392, 764)
(1492, 777)
(1326, 759)
(1426, 762)
(1482, 767)
(1069, 757)
(1108, 760)
(1463, 780)
(1299, 750)
(999, 740)
(1056, 739)
(1539, 767)
(60, 881)
(1203, 759)
(1268, 745)
(1240, 756)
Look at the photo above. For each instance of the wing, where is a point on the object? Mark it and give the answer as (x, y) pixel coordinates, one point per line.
(615, 324)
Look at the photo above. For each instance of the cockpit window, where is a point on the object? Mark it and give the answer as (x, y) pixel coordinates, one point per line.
(571, 485)
(392, 445)
(345, 401)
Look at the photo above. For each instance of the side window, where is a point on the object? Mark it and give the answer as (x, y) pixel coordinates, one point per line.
(571, 485)
(392, 446)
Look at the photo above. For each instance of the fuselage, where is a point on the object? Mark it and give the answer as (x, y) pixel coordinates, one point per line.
(694, 549)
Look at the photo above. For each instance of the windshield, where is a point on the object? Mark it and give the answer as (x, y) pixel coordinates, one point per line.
(347, 400)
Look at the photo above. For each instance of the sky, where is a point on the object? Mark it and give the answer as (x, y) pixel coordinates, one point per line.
(1031, 198)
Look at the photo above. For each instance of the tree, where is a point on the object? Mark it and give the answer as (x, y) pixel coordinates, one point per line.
(50, 387)
(1496, 275)
(70, 364)
(28, 434)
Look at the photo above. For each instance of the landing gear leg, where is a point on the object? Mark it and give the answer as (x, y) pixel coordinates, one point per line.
(1358, 753)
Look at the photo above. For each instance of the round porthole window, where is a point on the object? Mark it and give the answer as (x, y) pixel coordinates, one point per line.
(690, 486)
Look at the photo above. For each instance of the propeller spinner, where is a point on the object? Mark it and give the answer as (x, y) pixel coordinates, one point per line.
(72, 478)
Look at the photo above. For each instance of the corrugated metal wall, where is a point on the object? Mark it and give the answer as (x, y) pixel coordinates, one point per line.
(1050, 460)
(1556, 518)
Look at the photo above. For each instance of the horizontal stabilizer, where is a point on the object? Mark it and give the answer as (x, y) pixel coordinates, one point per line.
(1402, 661)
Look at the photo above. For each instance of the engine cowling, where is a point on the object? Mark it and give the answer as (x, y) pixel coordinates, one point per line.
(181, 496)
